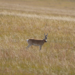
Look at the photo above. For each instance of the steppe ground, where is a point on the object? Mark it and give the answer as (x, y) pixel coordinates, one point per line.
(24, 19)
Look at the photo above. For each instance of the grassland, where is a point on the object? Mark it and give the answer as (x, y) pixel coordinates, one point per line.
(57, 56)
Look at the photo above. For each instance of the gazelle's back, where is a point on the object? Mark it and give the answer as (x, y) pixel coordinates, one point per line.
(36, 42)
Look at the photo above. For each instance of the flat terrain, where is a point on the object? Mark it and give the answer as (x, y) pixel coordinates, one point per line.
(66, 7)
(24, 19)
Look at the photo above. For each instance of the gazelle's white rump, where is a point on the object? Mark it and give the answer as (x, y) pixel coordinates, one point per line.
(27, 40)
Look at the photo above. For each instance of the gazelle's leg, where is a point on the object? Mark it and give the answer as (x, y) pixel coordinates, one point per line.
(40, 47)
(28, 46)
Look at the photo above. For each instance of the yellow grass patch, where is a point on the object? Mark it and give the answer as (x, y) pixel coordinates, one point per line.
(56, 57)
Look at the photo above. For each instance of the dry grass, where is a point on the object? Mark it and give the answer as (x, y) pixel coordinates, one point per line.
(55, 7)
(57, 56)
(67, 4)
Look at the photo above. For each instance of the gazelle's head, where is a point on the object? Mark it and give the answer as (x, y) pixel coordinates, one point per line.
(45, 37)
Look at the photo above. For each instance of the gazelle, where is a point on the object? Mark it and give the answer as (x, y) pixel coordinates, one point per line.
(36, 42)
